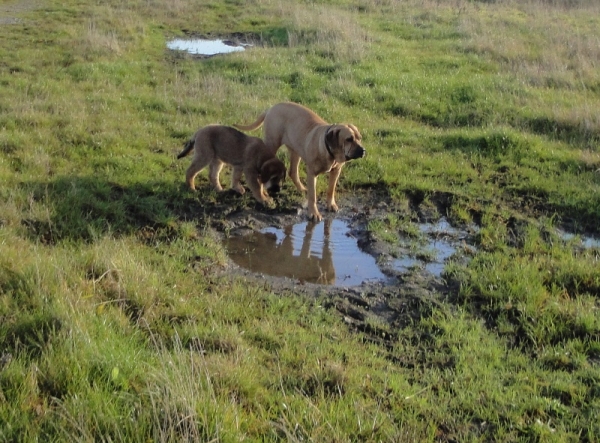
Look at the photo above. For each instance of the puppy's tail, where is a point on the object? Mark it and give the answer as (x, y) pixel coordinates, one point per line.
(251, 127)
(186, 148)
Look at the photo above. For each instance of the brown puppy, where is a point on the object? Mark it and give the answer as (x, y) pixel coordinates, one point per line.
(216, 145)
(323, 147)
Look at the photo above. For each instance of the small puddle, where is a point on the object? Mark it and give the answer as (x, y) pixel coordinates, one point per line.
(323, 253)
(586, 241)
(205, 47)
(442, 241)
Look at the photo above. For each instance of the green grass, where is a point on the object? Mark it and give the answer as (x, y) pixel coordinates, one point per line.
(118, 318)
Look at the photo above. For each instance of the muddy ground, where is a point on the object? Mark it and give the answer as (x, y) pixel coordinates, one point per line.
(376, 308)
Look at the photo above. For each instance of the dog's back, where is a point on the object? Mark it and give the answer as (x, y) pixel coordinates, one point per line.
(224, 142)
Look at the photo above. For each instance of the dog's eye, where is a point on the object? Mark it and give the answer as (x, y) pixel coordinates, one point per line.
(349, 139)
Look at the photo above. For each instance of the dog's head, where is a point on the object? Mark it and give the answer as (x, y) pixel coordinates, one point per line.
(343, 142)
(272, 174)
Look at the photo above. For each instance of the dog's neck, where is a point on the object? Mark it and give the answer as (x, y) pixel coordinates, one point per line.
(327, 142)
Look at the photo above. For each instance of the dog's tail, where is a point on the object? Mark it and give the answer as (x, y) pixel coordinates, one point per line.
(186, 148)
(251, 127)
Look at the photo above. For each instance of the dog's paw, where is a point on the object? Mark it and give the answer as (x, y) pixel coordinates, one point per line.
(333, 207)
(315, 217)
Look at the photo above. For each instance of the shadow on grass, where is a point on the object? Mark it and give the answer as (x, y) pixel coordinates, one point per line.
(571, 133)
(31, 330)
(84, 208)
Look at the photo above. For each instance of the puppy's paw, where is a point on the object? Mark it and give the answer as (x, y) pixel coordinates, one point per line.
(239, 189)
(268, 203)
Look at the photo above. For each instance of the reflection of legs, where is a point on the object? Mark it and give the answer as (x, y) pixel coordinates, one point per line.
(305, 252)
(326, 231)
(287, 244)
(215, 170)
(327, 260)
(326, 266)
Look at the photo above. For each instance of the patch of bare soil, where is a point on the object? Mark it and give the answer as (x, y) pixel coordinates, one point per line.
(376, 308)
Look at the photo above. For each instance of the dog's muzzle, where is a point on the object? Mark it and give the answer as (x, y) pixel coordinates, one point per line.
(360, 152)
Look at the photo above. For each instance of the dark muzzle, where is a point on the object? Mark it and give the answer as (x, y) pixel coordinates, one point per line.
(273, 188)
(360, 152)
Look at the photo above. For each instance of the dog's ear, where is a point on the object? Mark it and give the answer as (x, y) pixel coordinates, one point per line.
(331, 136)
(356, 131)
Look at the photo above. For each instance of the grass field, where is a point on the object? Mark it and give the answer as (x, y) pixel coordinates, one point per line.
(118, 318)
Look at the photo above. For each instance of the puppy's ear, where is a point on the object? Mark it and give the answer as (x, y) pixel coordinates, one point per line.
(268, 170)
(331, 136)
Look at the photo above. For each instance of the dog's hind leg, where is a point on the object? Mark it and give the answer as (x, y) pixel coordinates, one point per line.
(215, 169)
(198, 164)
(293, 171)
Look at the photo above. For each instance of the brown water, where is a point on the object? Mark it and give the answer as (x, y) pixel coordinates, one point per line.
(323, 253)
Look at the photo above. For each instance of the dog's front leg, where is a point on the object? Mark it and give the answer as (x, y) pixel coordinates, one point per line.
(311, 182)
(334, 175)
(236, 176)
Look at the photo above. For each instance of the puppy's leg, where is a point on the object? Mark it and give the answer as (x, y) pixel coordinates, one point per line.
(236, 176)
(334, 175)
(198, 164)
(293, 171)
(215, 169)
(311, 182)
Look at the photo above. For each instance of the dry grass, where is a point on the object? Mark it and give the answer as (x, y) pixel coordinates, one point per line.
(561, 49)
(334, 31)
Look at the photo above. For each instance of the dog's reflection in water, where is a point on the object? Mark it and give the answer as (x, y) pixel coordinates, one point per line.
(263, 253)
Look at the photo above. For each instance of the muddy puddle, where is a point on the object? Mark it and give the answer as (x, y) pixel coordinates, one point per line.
(324, 253)
(204, 47)
(329, 253)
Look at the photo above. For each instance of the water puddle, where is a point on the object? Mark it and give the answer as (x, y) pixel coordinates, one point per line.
(586, 241)
(323, 253)
(441, 242)
(205, 47)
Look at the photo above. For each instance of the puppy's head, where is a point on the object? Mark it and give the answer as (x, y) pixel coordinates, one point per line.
(272, 174)
(344, 142)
